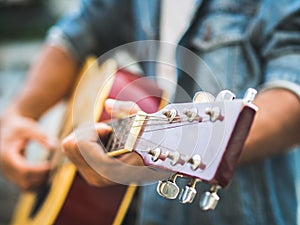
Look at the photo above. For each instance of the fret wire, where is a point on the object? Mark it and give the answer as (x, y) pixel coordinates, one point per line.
(119, 131)
(114, 142)
(113, 137)
(120, 143)
(109, 142)
(120, 136)
(125, 130)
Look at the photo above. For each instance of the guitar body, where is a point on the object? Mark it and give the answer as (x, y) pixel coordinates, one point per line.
(90, 205)
(68, 199)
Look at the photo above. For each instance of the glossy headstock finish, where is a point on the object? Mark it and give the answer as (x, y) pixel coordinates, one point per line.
(201, 140)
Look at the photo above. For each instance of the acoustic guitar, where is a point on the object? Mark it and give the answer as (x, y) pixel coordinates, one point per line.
(199, 140)
(67, 198)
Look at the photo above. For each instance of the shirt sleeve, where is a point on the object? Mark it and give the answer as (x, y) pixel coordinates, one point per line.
(91, 30)
(280, 47)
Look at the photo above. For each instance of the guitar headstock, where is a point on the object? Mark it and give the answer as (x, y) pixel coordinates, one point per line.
(201, 140)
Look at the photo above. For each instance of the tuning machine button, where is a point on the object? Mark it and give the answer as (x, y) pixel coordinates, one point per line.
(203, 96)
(225, 95)
(189, 192)
(168, 188)
(250, 95)
(210, 199)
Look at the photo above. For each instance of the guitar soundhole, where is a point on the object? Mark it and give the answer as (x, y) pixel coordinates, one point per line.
(41, 195)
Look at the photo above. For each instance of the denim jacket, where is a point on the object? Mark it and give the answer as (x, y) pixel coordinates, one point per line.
(245, 43)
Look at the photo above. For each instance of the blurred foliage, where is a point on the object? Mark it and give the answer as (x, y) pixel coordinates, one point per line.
(21, 19)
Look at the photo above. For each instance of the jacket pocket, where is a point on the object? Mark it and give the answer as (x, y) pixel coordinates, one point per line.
(222, 42)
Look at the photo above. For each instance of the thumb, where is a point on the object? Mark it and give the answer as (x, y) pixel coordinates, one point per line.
(121, 109)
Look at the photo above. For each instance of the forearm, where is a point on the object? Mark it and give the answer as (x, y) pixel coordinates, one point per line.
(48, 81)
(276, 127)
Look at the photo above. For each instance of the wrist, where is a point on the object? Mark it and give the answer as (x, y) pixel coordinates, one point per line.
(15, 110)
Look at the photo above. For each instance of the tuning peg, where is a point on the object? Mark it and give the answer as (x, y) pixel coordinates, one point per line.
(196, 162)
(189, 192)
(192, 114)
(250, 95)
(203, 96)
(168, 188)
(174, 156)
(170, 114)
(225, 95)
(210, 199)
(214, 113)
(155, 153)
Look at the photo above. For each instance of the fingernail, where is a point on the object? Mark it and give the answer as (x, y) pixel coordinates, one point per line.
(53, 142)
(110, 102)
(102, 126)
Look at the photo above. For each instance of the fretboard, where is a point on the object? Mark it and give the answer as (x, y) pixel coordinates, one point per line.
(119, 134)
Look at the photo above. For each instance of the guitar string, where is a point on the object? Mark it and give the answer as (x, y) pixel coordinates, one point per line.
(170, 127)
(176, 119)
(153, 117)
(173, 122)
(148, 141)
(115, 143)
(122, 143)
